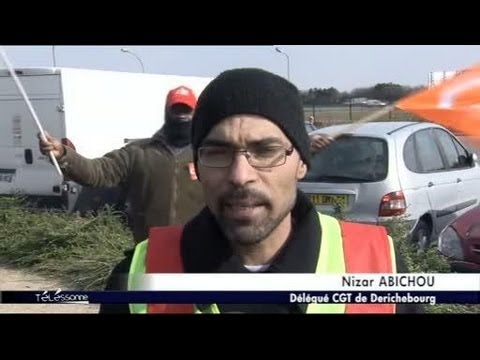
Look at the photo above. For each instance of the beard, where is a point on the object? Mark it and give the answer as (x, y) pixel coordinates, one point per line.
(249, 230)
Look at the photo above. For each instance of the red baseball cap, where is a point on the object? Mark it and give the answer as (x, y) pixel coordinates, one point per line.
(182, 95)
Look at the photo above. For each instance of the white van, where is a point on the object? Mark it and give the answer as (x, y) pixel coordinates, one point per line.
(95, 111)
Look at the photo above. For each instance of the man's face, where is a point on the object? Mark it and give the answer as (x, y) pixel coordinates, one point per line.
(180, 112)
(249, 202)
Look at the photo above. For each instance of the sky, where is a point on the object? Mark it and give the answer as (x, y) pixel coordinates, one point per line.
(344, 67)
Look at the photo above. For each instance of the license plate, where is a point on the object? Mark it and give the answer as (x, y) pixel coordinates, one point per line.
(335, 200)
(7, 175)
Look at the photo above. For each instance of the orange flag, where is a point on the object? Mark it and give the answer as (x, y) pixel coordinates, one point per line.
(454, 103)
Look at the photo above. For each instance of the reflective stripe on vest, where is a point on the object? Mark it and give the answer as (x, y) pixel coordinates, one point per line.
(353, 248)
(345, 248)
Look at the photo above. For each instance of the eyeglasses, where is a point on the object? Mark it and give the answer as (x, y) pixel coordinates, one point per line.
(257, 156)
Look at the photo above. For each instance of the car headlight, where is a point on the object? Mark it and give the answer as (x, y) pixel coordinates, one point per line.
(450, 245)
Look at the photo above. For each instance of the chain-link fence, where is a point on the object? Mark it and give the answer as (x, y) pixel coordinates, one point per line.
(332, 115)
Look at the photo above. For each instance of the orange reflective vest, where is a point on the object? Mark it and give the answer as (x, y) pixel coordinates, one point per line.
(345, 248)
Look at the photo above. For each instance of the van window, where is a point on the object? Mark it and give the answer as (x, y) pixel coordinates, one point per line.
(449, 149)
(463, 155)
(456, 155)
(410, 155)
(350, 159)
(427, 151)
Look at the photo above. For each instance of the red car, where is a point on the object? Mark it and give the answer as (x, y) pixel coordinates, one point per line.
(460, 242)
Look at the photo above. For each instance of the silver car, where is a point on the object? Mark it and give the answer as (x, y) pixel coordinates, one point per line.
(415, 170)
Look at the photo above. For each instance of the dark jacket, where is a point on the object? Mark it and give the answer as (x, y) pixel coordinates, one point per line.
(160, 189)
(205, 250)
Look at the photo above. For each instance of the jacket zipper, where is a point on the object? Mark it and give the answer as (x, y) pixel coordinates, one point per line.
(173, 208)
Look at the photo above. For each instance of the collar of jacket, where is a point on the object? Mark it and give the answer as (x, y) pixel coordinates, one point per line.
(205, 249)
(159, 139)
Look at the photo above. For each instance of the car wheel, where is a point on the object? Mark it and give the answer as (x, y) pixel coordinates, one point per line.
(421, 235)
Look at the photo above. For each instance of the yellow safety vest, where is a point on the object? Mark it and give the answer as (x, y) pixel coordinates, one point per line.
(345, 248)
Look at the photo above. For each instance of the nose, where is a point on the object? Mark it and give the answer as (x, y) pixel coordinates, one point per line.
(240, 171)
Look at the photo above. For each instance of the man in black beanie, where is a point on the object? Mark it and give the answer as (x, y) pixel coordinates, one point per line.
(250, 149)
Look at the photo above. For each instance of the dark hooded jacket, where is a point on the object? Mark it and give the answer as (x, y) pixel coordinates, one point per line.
(160, 187)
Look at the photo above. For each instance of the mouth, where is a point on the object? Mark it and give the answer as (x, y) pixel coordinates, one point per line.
(242, 209)
(243, 203)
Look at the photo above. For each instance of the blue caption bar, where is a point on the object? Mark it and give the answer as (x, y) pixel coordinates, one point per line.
(240, 297)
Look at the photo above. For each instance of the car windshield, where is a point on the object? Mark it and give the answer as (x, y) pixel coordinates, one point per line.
(350, 159)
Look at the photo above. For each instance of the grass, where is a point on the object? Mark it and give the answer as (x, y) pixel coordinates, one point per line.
(79, 250)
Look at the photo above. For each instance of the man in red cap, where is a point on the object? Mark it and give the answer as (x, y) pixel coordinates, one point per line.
(156, 174)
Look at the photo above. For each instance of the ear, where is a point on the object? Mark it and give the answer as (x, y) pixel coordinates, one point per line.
(301, 170)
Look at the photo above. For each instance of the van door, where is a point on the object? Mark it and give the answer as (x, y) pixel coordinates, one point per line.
(465, 174)
(441, 184)
(23, 169)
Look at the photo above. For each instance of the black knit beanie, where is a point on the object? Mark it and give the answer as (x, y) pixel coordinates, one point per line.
(255, 92)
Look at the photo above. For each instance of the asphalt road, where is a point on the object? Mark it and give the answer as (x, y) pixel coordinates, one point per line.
(16, 279)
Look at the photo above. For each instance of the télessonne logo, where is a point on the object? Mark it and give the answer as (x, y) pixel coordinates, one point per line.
(59, 297)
